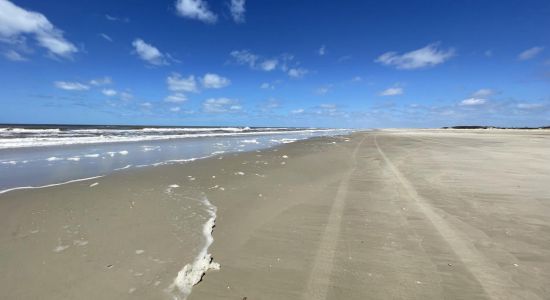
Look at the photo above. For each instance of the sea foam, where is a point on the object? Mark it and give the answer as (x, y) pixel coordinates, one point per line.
(192, 273)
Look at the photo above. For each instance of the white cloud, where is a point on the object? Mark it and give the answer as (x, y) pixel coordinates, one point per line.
(126, 96)
(14, 56)
(393, 91)
(428, 56)
(176, 83)
(328, 106)
(116, 19)
(473, 102)
(344, 58)
(214, 81)
(71, 86)
(322, 90)
(146, 105)
(529, 106)
(175, 109)
(220, 105)
(149, 53)
(109, 92)
(106, 37)
(176, 98)
(196, 9)
(267, 85)
(322, 51)
(237, 10)
(357, 79)
(269, 65)
(101, 81)
(297, 111)
(530, 53)
(330, 110)
(284, 62)
(271, 104)
(244, 57)
(297, 72)
(16, 22)
(483, 93)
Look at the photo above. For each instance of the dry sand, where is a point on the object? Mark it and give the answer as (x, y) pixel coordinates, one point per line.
(401, 214)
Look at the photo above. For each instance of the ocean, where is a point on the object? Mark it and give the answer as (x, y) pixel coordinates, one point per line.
(39, 155)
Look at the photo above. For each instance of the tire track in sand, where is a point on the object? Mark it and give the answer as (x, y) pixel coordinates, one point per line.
(319, 278)
(495, 282)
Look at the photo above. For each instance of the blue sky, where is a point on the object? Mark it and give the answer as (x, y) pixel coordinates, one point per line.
(275, 62)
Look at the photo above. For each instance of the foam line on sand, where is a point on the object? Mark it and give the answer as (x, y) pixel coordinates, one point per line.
(192, 273)
(49, 185)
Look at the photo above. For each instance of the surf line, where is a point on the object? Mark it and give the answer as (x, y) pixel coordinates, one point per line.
(49, 185)
(192, 273)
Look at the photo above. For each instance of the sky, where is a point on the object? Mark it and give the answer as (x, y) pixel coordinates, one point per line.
(316, 63)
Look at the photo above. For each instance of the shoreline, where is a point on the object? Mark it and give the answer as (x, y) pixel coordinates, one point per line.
(41, 166)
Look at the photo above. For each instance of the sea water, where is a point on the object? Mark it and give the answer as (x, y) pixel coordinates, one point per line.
(33, 157)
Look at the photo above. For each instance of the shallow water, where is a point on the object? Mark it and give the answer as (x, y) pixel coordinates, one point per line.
(43, 165)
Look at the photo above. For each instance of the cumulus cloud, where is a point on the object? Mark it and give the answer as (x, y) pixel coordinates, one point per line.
(237, 10)
(16, 23)
(221, 105)
(322, 51)
(267, 85)
(473, 102)
(109, 92)
(126, 96)
(323, 90)
(530, 53)
(271, 104)
(297, 72)
(244, 57)
(297, 111)
(176, 98)
(196, 9)
(177, 83)
(269, 65)
(149, 53)
(283, 62)
(101, 81)
(483, 93)
(71, 86)
(175, 109)
(331, 110)
(428, 56)
(393, 91)
(146, 105)
(214, 81)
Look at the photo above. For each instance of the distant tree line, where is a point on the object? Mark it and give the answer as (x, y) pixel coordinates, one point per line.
(491, 127)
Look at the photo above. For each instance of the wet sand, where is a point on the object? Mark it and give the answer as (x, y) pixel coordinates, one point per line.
(395, 214)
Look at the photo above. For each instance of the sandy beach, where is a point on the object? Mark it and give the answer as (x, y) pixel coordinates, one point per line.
(393, 214)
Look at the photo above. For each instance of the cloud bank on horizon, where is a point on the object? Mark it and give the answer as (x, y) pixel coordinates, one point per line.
(238, 62)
